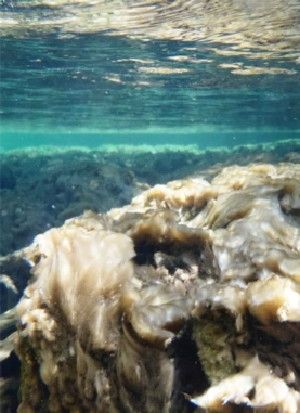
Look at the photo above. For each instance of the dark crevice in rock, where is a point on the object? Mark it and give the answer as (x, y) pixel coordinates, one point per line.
(277, 344)
(189, 377)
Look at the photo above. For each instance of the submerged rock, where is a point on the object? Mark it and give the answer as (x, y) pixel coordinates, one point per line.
(187, 298)
(7, 178)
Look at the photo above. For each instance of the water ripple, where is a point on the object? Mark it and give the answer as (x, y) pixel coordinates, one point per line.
(259, 29)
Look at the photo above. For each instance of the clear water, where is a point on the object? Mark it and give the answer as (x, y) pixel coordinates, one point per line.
(86, 73)
(166, 80)
(101, 97)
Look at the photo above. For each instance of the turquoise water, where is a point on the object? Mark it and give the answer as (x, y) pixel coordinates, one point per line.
(100, 98)
(149, 72)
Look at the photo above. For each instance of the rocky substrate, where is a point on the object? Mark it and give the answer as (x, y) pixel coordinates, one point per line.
(40, 188)
(186, 299)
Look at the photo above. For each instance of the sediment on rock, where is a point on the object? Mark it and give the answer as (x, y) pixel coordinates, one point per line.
(188, 298)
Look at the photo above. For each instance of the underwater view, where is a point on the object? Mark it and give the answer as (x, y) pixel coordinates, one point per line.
(150, 206)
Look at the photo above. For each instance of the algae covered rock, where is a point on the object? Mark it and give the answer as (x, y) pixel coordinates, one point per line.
(188, 298)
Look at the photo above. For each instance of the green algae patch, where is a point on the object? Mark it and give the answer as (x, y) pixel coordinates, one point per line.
(213, 335)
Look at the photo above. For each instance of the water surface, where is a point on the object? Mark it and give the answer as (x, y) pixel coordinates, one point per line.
(210, 72)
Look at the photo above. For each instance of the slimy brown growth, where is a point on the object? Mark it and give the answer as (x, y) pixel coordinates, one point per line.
(188, 298)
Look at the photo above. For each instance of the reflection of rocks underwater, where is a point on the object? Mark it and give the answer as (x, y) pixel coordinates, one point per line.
(187, 298)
